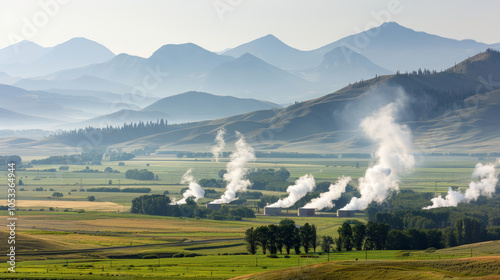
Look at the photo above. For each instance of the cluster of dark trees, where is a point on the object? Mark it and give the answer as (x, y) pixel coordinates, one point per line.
(212, 183)
(110, 170)
(201, 155)
(379, 236)
(157, 204)
(57, 194)
(483, 155)
(130, 190)
(87, 169)
(262, 179)
(285, 236)
(116, 156)
(269, 179)
(136, 174)
(111, 135)
(5, 160)
(471, 222)
(359, 236)
(84, 158)
(231, 213)
(274, 155)
(293, 155)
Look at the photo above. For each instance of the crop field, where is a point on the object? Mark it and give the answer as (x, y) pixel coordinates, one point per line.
(432, 174)
(71, 237)
(96, 245)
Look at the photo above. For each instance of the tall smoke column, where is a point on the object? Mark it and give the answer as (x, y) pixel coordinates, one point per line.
(219, 139)
(325, 199)
(395, 144)
(485, 186)
(194, 190)
(452, 199)
(236, 170)
(302, 186)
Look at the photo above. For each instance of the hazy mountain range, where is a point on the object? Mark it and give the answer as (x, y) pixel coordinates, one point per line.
(81, 83)
(181, 108)
(77, 109)
(265, 68)
(451, 110)
(27, 59)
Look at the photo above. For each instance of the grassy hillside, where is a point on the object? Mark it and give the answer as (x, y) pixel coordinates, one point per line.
(470, 268)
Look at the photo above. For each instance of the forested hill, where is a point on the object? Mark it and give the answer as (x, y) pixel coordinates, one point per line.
(451, 110)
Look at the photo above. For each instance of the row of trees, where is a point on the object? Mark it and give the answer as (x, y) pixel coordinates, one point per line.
(77, 159)
(161, 205)
(129, 190)
(287, 235)
(136, 174)
(114, 134)
(379, 236)
(369, 236)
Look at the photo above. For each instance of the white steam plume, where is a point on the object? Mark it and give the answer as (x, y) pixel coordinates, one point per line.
(194, 190)
(394, 156)
(452, 199)
(236, 170)
(219, 139)
(302, 186)
(485, 186)
(325, 199)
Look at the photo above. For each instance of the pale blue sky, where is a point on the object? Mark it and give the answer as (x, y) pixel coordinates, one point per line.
(140, 27)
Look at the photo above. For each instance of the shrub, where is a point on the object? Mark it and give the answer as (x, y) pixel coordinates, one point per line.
(57, 194)
(150, 256)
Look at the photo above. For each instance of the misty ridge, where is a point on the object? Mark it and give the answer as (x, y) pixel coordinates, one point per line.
(446, 88)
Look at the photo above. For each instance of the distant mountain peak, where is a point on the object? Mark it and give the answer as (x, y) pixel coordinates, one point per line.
(178, 49)
(342, 55)
(270, 38)
(78, 41)
(392, 24)
(247, 57)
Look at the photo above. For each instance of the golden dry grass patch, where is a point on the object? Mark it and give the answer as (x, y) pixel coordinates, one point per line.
(64, 204)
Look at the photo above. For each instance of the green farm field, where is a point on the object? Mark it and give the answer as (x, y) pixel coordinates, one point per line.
(92, 245)
(105, 240)
(432, 174)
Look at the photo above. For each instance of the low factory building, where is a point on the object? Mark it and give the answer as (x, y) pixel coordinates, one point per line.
(272, 211)
(307, 212)
(215, 206)
(345, 213)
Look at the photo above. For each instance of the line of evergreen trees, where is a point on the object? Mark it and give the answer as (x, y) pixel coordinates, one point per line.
(113, 134)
